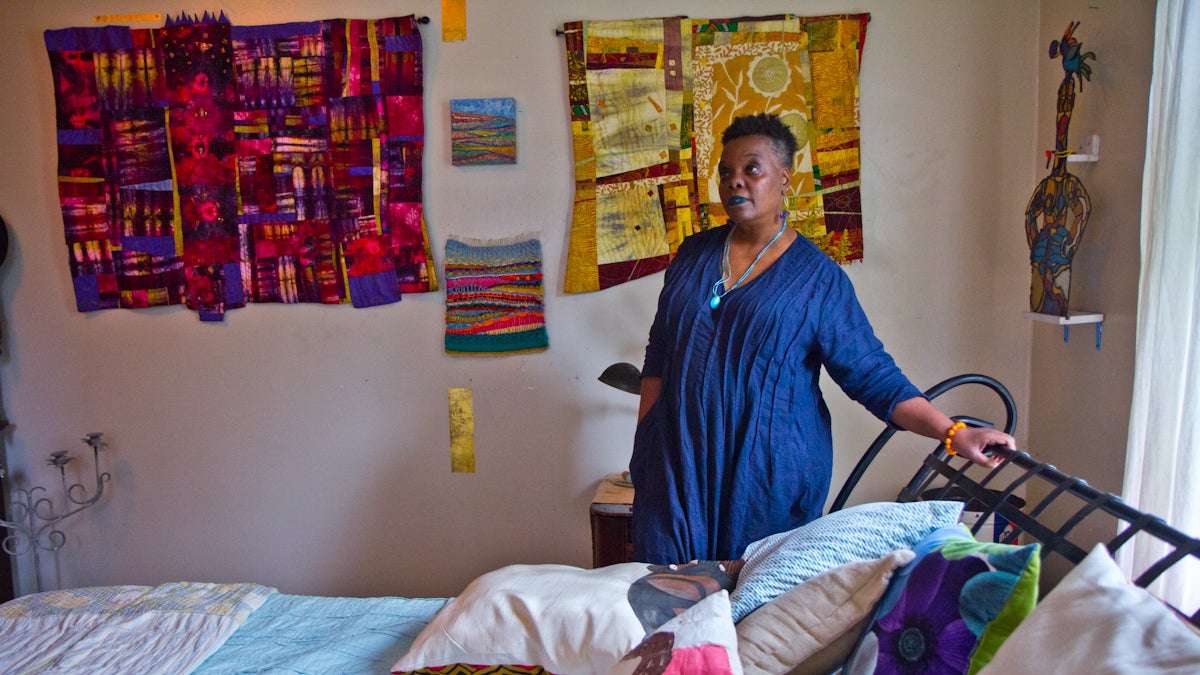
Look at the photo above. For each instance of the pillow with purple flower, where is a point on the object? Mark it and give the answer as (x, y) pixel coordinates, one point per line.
(951, 611)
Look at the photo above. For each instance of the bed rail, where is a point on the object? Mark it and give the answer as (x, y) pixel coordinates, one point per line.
(943, 476)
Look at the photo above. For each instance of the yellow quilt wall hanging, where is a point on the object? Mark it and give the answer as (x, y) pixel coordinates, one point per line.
(649, 98)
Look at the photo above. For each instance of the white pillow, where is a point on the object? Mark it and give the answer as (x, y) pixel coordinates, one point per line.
(700, 641)
(1096, 622)
(562, 618)
(802, 627)
(864, 532)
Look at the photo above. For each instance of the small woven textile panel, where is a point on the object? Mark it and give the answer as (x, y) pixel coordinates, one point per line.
(494, 297)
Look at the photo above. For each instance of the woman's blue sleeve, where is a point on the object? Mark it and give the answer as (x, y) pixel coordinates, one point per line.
(852, 354)
(656, 347)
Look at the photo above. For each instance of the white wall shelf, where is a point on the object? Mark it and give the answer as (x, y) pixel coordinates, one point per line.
(1072, 318)
(1088, 152)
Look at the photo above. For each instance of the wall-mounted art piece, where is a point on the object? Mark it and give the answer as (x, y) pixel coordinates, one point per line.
(483, 131)
(1058, 211)
(649, 99)
(629, 86)
(494, 297)
(218, 165)
(804, 69)
(462, 430)
(454, 20)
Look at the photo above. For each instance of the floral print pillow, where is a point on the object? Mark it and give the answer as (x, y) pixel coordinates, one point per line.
(955, 607)
(699, 641)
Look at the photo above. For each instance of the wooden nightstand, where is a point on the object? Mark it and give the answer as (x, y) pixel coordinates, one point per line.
(612, 514)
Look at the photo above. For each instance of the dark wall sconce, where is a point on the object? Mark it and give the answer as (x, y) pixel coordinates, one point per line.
(623, 376)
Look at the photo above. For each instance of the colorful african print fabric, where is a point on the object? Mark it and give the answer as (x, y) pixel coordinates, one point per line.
(649, 99)
(468, 669)
(217, 165)
(494, 297)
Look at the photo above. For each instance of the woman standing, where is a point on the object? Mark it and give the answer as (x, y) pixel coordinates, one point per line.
(733, 440)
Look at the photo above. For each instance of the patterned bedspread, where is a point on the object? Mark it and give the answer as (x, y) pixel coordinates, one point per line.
(170, 628)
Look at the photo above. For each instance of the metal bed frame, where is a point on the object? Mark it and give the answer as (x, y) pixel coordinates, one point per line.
(991, 495)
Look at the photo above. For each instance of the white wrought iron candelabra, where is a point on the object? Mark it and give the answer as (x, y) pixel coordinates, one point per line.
(35, 519)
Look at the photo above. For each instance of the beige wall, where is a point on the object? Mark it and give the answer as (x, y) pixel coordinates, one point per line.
(1080, 396)
(306, 447)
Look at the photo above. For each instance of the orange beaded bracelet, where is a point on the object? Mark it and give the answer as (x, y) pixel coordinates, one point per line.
(949, 442)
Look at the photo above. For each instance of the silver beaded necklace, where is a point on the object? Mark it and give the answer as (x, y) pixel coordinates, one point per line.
(727, 269)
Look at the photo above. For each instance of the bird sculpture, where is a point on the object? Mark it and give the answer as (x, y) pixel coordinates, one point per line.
(1058, 211)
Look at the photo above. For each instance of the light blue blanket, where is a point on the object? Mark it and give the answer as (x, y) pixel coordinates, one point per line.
(311, 635)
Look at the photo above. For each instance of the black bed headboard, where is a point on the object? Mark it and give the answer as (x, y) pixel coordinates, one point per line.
(990, 491)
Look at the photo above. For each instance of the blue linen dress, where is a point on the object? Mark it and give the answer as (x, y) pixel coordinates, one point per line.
(739, 445)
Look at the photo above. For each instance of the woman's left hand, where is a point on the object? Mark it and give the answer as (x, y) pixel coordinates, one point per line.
(970, 442)
(918, 415)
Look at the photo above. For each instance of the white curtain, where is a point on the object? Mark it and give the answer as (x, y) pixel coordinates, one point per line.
(1162, 467)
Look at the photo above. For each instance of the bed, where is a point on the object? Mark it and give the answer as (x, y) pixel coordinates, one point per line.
(883, 587)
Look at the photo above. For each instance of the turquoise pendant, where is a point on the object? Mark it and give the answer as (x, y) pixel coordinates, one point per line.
(715, 302)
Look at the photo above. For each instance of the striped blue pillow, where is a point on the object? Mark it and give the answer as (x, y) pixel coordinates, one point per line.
(776, 563)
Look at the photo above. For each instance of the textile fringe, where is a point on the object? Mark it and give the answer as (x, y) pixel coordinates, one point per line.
(185, 18)
(506, 241)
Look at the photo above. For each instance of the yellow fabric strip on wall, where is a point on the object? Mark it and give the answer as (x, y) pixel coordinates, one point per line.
(454, 20)
(462, 431)
(124, 18)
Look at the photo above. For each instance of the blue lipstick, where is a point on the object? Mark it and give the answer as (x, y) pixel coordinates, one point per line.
(736, 200)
